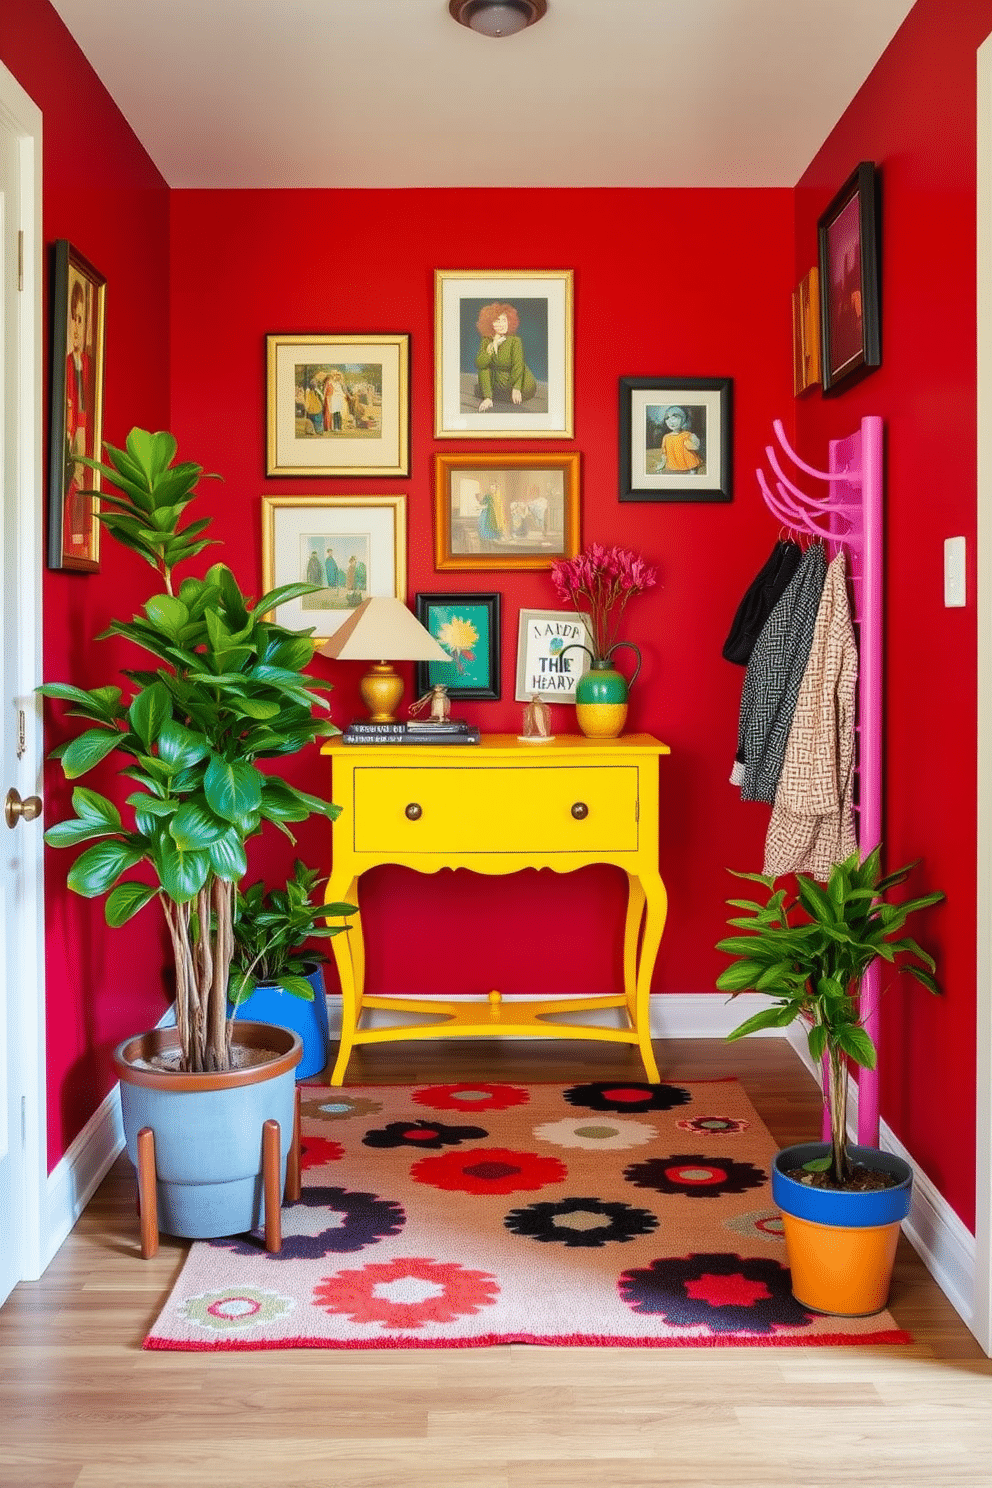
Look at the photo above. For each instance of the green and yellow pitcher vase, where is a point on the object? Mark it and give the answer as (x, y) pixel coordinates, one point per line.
(601, 693)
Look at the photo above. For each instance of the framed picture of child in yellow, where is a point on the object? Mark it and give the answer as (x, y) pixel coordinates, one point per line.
(676, 439)
(78, 345)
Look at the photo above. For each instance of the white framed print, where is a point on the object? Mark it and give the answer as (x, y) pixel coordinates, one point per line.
(554, 649)
(348, 547)
(503, 354)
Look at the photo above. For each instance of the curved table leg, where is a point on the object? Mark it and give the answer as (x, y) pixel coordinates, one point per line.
(656, 912)
(349, 957)
(631, 937)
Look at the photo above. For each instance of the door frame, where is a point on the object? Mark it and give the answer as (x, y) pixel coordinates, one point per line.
(982, 1320)
(20, 115)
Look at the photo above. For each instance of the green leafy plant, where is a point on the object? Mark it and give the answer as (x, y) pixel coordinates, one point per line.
(809, 954)
(270, 928)
(228, 690)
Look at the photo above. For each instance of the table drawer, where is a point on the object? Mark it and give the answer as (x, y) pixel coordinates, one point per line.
(456, 809)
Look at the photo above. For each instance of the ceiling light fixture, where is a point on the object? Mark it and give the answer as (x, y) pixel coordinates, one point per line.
(497, 17)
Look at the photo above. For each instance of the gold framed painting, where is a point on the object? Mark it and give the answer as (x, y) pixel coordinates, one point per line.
(503, 354)
(505, 511)
(806, 333)
(349, 547)
(78, 343)
(338, 405)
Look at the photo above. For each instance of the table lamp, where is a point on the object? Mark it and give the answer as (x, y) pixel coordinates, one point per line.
(382, 630)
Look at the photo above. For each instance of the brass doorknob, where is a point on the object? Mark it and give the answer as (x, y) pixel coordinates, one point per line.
(14, 808)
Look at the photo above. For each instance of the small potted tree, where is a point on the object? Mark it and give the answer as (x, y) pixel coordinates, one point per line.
(276, 973)
(842, 1204)
(225, 689)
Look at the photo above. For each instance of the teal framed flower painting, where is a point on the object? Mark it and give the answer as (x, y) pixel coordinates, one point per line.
(467, 627)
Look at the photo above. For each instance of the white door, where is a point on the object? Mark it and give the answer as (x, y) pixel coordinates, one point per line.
(22, 1126)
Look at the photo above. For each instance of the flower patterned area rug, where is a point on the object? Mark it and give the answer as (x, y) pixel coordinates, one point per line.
(459, 1216)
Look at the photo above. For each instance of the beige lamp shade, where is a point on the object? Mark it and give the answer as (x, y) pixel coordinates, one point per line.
(382, 630)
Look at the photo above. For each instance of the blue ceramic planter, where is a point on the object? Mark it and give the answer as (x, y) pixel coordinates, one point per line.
(270, 1003)
(208, 1129)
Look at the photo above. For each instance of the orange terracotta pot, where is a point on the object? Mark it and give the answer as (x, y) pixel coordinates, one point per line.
(841, 1243)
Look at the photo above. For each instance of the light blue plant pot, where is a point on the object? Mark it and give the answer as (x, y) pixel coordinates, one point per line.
(270, 1003)
(208, 1129)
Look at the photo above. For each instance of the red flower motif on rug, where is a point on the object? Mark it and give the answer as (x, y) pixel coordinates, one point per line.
(471, 1097)
(489, 1170)
(315, 1151)
(407, 1293)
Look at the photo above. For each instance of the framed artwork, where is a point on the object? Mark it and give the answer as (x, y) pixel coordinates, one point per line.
(338, 405)
(847, 236)
(676, 441)
(545, 667)
(505, 511)
(78, 353)
(352, 546)
(503, 354)
(468, 628)
(806, 333)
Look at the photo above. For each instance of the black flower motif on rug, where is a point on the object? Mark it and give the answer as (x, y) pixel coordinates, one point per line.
(427, 1134)
(357, 1220)
(725, 1293)
(621, 1095)
(581, 1222)
(694, 1175)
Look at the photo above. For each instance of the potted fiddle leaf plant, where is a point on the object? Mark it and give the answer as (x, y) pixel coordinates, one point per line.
(276, 973)
(809, 953)
(220, 688)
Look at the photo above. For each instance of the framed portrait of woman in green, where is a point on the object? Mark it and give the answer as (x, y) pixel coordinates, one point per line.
(503, 354)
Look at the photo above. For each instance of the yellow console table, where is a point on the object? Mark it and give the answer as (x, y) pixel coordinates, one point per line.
(497, 807)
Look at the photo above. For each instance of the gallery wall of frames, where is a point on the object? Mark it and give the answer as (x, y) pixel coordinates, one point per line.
(514, 400)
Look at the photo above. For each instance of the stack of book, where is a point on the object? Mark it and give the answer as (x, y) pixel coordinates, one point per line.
(364, 731)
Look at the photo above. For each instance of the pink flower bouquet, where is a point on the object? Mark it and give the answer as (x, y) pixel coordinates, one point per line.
(602, 581)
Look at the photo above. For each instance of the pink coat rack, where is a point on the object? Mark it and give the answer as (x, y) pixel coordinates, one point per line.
(848, 515)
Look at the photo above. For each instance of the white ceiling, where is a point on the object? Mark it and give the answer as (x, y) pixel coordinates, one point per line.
(393, 93)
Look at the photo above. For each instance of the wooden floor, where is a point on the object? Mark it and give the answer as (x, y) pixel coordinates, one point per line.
(81, 1404)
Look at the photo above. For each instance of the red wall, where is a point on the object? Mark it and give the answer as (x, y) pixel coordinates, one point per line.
(101, 191)
(666, 283)
(916, 119)
(693, 283)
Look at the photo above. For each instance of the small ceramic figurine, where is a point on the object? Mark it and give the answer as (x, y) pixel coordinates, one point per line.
(537, 721)
(439, 701)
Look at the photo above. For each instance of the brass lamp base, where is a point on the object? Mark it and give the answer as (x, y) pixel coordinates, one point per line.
(381, 689)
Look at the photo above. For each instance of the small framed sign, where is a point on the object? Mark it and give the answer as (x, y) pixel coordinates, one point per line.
(554, 649)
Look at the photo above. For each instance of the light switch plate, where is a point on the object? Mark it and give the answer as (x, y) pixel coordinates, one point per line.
(954, 572)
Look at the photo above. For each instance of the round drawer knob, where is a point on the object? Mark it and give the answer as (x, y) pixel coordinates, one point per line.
(580, 810)
(413, 812)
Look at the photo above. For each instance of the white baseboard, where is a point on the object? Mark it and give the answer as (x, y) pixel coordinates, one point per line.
(76, 1177)
(943, 1242)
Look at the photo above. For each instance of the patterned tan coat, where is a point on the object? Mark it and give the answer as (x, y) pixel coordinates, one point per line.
(812, 822)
